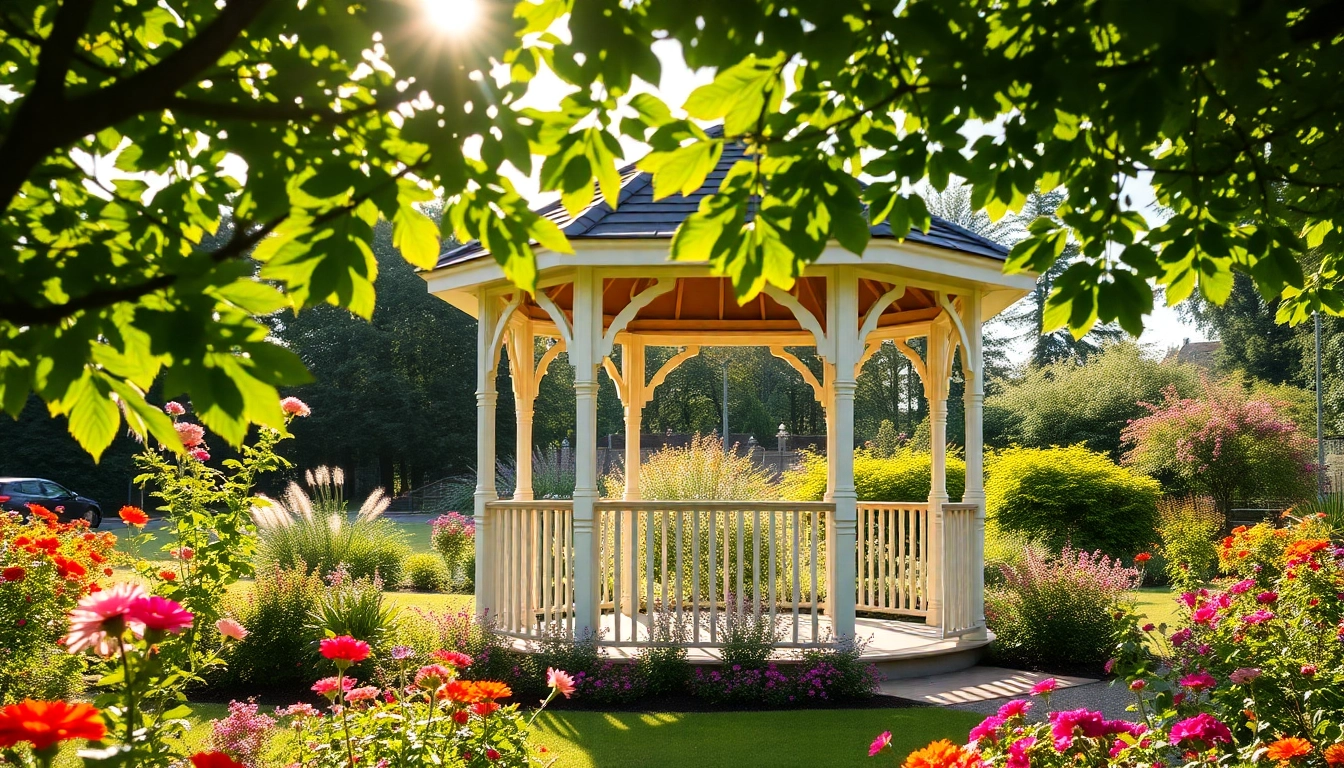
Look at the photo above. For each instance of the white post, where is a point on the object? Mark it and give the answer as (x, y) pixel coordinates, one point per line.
(632, 371)
(935, 390)
(973, 370)
(842, 326)
(587, 334)
(523, 350)
(486, 397)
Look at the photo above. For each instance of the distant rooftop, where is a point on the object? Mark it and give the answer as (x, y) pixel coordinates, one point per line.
(1201, 353)
(637, 216)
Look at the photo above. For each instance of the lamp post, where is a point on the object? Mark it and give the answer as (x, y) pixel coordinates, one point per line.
(1320, 416)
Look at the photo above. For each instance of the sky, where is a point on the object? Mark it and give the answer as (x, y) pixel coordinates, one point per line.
(1163, 329)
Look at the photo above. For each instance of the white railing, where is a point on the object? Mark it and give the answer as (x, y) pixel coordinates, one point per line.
(959, 567)
(680, 572)
(532, 557)
(893, 556)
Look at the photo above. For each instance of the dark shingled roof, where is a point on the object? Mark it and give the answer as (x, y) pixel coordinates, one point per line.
(637, 216)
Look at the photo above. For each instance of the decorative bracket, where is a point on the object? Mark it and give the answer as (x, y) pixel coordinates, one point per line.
(562, 324)
(915, 360)
(818, 391)
(638, 302)
(803, 315)
(955, 316)
(501, 326)
(666, 368)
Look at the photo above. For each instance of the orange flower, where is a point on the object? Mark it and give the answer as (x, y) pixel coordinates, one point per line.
(1304, 548)
(43, 512)
(489, 689)
(47, 723)
(133, 516)
(460, 692)
(1288, 748)
(942, 754)
(1334, 754)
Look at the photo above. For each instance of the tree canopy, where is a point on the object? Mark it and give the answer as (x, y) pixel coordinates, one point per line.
(129, 128)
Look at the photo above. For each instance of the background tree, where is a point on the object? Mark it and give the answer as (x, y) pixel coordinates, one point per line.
(1224, 443)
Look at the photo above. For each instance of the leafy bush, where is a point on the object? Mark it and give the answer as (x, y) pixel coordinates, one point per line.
(454, 538)
(1089, 404)
(463, 631)
(276, 652)
(315, 530)
(1188, 528)
(835, 674)
(747, 640)
(426, 573)
(45, 567)
(354, 607)
(1226, 444)
(1257, 552)
(702, 470)
(1071, 496)
(665, 668)
(905, 475)
(244, 734)
(1058, 612)
(1006, 550)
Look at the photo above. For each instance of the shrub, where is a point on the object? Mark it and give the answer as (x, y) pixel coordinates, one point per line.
(276, 652)
(665, 668)
(315, 530)
(1058, 612)
(702, 470)
(426, 573)
(1071, 496)
(836, 674)
(45, 567)
(354, 607)
(244, 734)
(454, 538)
(905, 475)
(747, 640)
(1188, 529)
(1256, 552)
(736, 684)
(463, 631)
(1226, 444)
(1006, 550)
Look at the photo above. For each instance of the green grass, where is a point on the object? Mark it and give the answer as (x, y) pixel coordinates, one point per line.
(1157, 604)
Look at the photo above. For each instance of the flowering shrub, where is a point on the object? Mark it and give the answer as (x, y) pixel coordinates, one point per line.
(454, 537)
(273, 611)
(244, 734)
(1257, 552)
(210, 538)
(1253, 676)
(45, 567)
(1059, 611)
(1223, 444)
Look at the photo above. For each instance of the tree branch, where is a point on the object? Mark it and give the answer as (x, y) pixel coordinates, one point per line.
(270, 112)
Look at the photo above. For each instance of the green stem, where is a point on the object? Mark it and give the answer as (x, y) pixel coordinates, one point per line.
(130, 692)
(345, 725)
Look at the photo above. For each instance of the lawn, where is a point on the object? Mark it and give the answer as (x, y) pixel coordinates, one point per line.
(1157, 604)
(802, 738)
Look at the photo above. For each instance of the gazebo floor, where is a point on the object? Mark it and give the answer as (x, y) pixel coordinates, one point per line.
(899, 648)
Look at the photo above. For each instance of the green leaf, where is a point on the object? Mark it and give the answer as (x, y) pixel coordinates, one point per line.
(93, 417)
(416, 236)
(253, 297)
(683, 170)
(740, 94)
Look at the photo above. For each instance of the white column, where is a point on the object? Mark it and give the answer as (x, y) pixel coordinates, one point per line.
(632, 371)
(842, 326)
(935, 390)
(587, 334)
(486, 397)
(522, 351)
(973, 370)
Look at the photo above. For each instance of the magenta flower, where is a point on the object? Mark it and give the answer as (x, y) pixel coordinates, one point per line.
(1203, 728)
(988, 729)
(1267, 597)
(1045, 687)
(879, 744)
(1259, 617)
(1242, 587)
(99, 620)
(160, 614)
(1017, 753)
(1015, 708)
(1200, 681)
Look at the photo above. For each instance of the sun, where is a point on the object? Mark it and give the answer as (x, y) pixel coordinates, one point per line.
(453, 17)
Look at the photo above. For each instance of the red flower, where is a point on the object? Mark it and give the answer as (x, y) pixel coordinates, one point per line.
(167, 575)
(42, 512)
(14, 573)
(1142, 558)
(492, 754)
(47, 723)
(69, 569)
(133, 516)
(344, 650)
(461, 716)
(214, 760)
(484, 708)
(459, 660)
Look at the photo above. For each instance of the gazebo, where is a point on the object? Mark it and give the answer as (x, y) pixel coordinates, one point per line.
(630, 572)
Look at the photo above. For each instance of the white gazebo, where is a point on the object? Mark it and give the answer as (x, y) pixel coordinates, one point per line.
(630, 572)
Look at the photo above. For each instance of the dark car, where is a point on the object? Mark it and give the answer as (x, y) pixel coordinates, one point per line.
(16, 493)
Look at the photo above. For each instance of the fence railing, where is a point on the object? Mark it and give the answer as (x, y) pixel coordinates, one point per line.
(531, 577)
(959, 566)
(688, 572)
(893, 554)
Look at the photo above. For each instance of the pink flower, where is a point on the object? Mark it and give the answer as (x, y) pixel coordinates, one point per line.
(200, 454)
(431, 676)
(1138, 685)
(1015, 708)
(1181, 636)
(1244, 675)
(1202, 727)
(453, 658)
(293, 406)
(231, 629)
(1045, 687)
(328, 686)
(1199, 681)
(191, 435)
(987, 729)
(1017, 753)
(366, 693)
(99, 619)
(344, 650)
(879, 744)
(1308, 670)
(560, 681)
(174, 408)
(1242, 587)
(1259, 617)
(160, 614)
(1267, 597)
(1205, 615)
(1065, 725)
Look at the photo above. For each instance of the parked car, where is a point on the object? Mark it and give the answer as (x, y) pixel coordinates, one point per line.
(16, 493)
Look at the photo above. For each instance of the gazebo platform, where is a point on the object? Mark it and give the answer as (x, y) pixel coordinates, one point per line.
(900, 649)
